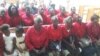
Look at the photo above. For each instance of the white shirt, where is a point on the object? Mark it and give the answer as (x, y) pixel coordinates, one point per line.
(9, 41)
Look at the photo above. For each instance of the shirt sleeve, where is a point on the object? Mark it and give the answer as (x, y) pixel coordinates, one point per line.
(27, 40)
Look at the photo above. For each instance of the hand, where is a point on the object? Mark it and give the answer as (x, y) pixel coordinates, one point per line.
(42, 51)
(37, 51)
(72, 45)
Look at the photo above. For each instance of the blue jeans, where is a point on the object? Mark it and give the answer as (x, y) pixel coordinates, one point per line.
(88, 51)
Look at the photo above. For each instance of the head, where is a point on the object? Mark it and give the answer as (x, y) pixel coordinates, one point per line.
(19, 31)
(95, 18)
(5, 29)
(55, 21)
(41, 10)
(73, 10)
(3, 3)
(38, 21)
(68, 21)
(52, 11)
(79, 19)
(62, 9)
(2, 11)
(52, 6)
(28, 10)
(23, 4)
(75, 17)
(13, 10)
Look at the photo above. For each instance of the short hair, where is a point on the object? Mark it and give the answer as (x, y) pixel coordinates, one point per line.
(19, 29)
(38, 18)
(94, 16)
(5, 27)
(67, 19)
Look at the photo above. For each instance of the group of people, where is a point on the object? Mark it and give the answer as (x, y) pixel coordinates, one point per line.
(51, 33)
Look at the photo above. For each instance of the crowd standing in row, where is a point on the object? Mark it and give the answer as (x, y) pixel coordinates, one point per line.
(51, 33)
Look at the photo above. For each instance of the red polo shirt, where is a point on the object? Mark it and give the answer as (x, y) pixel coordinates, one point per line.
(27, 20)
(61, 17)
(15, 21)
(55, 34)
(35, 39)
(4, 20)
(80, 29)
(66, 31)
(93, 31)
(46, 19)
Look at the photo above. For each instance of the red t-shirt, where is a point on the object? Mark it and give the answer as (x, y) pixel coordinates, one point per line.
(67, 32)
(80, 29)
(35, 39)
(27, 20)
(61, 17)
(15, 21)
(55, 34)
(4, 20)
(93, 31)
(46, 19)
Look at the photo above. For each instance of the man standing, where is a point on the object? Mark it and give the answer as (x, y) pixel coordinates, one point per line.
(36, 38)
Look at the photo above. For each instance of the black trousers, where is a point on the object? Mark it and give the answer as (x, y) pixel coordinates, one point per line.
(32, 53)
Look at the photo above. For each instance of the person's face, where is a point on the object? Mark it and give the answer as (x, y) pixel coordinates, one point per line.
(27, 10)
(63, 10)
(13, 9)
(38, 24)
(2, 13)
(96, 20)
(80, 19)
(41, 11)
(19, 34)
(52, 11)
(69, 23)
(32, 4)
(73, 10)
(6, 32)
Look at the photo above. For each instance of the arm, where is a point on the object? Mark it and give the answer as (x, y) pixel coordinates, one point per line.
(27, 40)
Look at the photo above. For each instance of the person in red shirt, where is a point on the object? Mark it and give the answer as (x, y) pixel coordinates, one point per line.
(46, 19)
(27, 18)
(55, 37)
(93, 28)
(22, 8)
(4, 18)
(80, 28)
(15, 19)
(68, 40)
(73, 14)
(63, 14)
(79, 33)
(36, 38)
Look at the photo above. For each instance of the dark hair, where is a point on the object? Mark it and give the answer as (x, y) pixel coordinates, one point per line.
(19, 29)
(94, 16)
(5, 27)
(10, 12)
